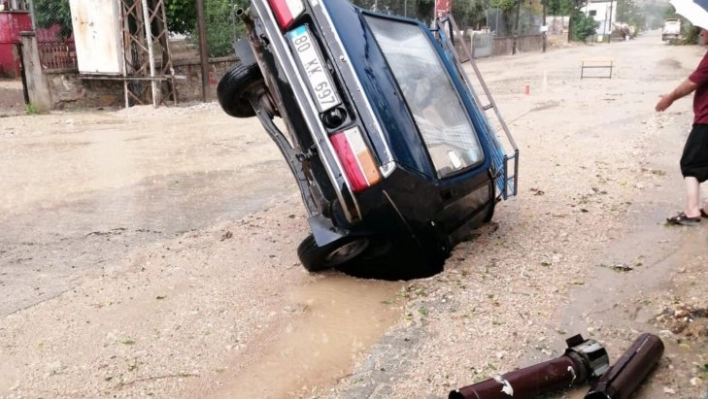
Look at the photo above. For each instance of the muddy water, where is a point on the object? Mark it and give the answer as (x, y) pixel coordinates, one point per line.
(341, 317)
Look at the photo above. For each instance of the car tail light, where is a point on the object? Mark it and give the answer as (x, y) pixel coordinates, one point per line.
(287, 11)
(357, 160)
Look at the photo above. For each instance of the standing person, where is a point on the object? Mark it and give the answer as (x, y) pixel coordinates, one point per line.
(694, 161)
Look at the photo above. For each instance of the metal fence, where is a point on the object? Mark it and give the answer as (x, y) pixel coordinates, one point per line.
(53, 27)
(55, 39)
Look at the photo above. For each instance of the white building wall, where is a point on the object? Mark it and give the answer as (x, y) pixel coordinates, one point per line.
(605, 14)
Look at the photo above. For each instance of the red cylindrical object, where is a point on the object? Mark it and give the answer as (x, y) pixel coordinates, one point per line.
(526, 383)
(625, 376)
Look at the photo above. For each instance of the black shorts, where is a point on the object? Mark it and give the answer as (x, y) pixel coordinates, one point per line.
(694, 161)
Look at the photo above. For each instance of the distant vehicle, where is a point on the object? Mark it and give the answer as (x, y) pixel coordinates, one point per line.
(671, 29)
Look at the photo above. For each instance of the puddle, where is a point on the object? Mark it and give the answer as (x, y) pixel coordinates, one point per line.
(342, 317)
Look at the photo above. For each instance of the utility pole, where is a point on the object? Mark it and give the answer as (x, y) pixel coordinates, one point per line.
(203, 50)
(545, 25)
(609, 38)
(516, 27)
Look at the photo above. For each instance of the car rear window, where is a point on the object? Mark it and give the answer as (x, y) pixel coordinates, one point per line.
(430, 95)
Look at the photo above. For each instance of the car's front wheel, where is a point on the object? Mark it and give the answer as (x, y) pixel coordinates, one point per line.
(235, 87)
(315, 258)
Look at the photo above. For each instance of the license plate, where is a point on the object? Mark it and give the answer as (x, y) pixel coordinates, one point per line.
(318, 78)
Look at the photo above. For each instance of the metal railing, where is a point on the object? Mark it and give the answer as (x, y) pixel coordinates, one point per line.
(57, 54)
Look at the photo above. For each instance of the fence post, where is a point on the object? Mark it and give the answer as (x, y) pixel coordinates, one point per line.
(203, 53)
(37, 85)
(516, 27)
(32, 14)
(545, 23)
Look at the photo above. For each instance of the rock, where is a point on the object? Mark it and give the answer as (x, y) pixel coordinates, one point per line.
(678, 326)
(696, 330)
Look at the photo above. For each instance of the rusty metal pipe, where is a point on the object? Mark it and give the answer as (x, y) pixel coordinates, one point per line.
(245, 16)
(625, 376)
(584, 359)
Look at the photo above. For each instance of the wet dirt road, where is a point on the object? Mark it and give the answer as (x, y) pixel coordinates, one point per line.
(152, 252)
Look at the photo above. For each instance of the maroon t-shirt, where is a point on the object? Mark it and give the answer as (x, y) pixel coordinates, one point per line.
(700, 98)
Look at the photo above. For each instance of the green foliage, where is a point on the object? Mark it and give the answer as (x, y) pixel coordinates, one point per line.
(583, 26)
(181, 15)
(54, 12)
(222, 26)
(468, 12)
(690, 33)
(654, 14)
(421, 10)
(221, 30)
(504, 5)
(558, 7)
(31, 109)
(629, 13)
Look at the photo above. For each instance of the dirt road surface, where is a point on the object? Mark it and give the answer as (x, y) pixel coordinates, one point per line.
(152, 252)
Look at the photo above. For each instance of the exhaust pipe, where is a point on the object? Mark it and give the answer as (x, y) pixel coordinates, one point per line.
(625, 376)
(583, 360)
(245, 16)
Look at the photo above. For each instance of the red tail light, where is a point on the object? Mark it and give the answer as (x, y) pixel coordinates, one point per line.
(357, 160)
(286, 11)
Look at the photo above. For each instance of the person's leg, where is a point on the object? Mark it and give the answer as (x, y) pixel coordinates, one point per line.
(692, 210)
(694, 168)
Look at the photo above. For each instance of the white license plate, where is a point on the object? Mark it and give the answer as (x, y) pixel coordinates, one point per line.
(317, 75)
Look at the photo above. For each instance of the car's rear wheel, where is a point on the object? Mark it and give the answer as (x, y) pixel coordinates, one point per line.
(315, 258)
(235, 87)
(493, 203)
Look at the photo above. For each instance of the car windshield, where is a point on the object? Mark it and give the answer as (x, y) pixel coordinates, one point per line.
(432, 100)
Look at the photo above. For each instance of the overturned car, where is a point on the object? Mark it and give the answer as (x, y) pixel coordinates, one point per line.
(387, 139)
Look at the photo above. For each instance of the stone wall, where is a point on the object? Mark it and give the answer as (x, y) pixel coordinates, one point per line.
(190, 89)
(70, 90)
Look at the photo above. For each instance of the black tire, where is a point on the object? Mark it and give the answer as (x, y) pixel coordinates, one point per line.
(235, 87)
(315, 258)
(493, 203)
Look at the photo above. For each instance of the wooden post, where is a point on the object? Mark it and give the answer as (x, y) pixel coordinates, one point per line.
(203, 50)
(516, 27)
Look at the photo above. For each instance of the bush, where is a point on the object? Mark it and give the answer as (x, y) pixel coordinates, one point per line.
(583, 26)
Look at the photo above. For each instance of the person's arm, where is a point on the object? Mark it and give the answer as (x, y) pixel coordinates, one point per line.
(685, 88)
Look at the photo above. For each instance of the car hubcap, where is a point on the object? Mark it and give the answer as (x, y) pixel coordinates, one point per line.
(347, 251)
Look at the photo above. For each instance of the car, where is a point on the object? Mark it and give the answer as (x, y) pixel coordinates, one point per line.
(393, 151)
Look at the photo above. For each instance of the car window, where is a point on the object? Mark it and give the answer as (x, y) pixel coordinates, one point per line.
(431, 97)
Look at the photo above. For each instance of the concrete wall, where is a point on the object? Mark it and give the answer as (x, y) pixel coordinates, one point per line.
(190, 89)
(66, 88)
(68, 91)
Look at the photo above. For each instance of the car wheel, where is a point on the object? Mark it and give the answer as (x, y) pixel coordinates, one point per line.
(492, 203)
(315, 258)
(234, 88)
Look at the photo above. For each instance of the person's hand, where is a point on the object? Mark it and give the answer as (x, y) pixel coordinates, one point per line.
(664, 103)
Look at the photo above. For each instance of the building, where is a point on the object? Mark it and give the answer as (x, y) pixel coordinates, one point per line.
(604, 12)
(14, 18)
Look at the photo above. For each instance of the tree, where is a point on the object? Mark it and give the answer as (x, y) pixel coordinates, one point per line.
(583, 26)
(181, 15)
(468, 12)
(50, 13)
(220, 27)
(629, 13)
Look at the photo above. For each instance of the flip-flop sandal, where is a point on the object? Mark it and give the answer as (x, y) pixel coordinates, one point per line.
(704, 214)
(683, 220)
